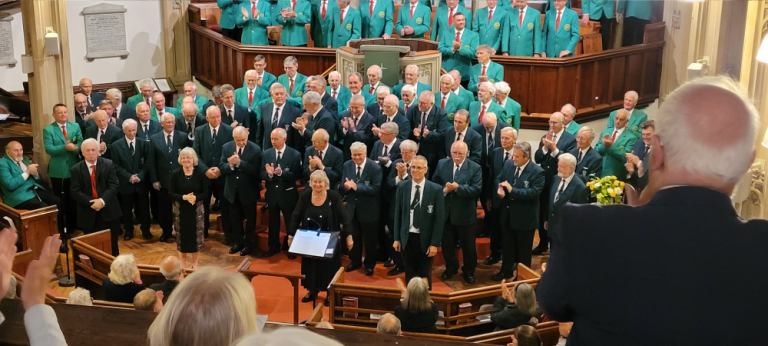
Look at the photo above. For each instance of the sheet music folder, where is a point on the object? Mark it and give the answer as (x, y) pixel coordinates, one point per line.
(314, 243)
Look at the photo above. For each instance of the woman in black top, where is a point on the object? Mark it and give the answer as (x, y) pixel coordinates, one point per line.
(188, 189)
(512, 310)
(417, 313)
(319, 208)
(123, 281)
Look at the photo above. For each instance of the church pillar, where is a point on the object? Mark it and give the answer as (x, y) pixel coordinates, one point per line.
(176, 41)
(51, 81)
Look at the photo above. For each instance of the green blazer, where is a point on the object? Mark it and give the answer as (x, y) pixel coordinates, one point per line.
(454, 104)
(298, 83)
(635, 121)
(241, 97)
(344, 94)
(495, 73)
(440, 23)
(551, 5)
(573, 128)
(505, 4)
(382, 20)
(474, 111)
(340, 33)
(266, 81)
(415, 103)
(614, 157)
(597, 8)
(136, 99)
(526, 40)
(419, 22)
(567, 35)
(490, 33)
(461, 59)
(61, 158)
(199, 102)
(229, 10)
(254, 29)
(15, 188)
(319, 25)
(294, 33)
(367, 88)
(511, 114)
(467, 96)
(419, 89)
(344, 102)
(153, 112)
(637, 9)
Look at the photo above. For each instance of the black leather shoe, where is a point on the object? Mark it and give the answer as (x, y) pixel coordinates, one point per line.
(500, 276)
(164, 238)
(542, 248)
(327, 302)
(469, 278)
(368, 271)
(351, 267)
(128, 236)
(246, 251)
(290, 256)
(235, 249)
(491, 260)
(396, 271)
(271, 253)
(147, 236)
(389, 263)
(310, 297)
(447, 275)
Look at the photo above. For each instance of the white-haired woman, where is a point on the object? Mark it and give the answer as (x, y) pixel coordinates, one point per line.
(209, 307)
(417, 313)
(188, 189)
(123, 281)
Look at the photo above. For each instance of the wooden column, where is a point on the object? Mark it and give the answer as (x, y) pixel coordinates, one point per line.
(176, 41)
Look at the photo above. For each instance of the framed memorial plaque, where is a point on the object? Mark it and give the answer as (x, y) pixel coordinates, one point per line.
(6, 41)
(105, 31)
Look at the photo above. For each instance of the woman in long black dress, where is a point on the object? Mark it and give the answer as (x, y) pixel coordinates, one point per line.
(188, 187)
(322, 206)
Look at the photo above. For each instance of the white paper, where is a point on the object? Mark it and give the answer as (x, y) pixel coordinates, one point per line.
(162, 84)
(310, 243)
(4, 116)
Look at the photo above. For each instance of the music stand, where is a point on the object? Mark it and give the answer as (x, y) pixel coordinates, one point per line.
(314, 243)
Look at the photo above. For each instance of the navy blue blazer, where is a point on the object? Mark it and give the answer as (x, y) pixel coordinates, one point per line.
(480, 129)
(181, 123)
(288, 115)
(591, 163)
(638, 149)
(127, 112)
(432, 214)
(496, 166)
(391, 186)
(323, 120)
(162, 161)
(403, 126)
(241, 116)
(333, 160)
(127, 164)
(111, 134)
(363, 202)
(576, 192)
(363, 132)
(281, 189)
(473, 140)
(154, 127)
(695, 228)
(243, 178)
(460, 204)
(520, 207)
(330, 103)
(565, 144)
(432, 145)
(208, 152)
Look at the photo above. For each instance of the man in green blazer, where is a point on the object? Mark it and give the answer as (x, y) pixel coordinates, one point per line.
(159, 108)
(637, 15)
(336, 90)
(485, 70)
(378, 18)
(250, 95)
(61, 140)
(551, 4)
(522, 37)
(227, 20)
(561, 31)
(344, 26)
(443, 21)
(409, 98)
(264, 79)
(636, 116)
(293, 16)
(449, 102)
(321, 19)
(413, 20)
(489, 24)
(292, 80)
(412, 78)
(458, 46)
(146, 86)
(614, 144)
(190, 90)
(355, 82)
(512, 109)
(254, 19)
(484, 105)
(569, 112)
(374, 80)
(466, 95)
(600, 11)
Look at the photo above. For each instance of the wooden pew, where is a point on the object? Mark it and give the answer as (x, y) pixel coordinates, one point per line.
(293, 278)
(33, 226)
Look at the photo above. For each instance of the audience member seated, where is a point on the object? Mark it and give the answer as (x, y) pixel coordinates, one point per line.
(80, 296)
(124, 280)
(148, 300)
(512, 310)
(171, 269)
(211, 307)
(287, 336)
(526, 336)
(389, 324)
(417, 314)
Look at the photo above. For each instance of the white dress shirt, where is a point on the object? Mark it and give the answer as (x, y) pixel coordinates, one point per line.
(422, 185)
(91, 169)
(563, 185)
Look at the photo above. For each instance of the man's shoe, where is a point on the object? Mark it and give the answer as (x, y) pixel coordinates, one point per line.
(469, 278)
(235, 249)
(500, 276)
(368, 271)
(271, 253)
(310, 297)
(396, 271)
(389, 263)
(351, 267)
(542, 248)
(491, 260)
(128, 236)
(147, 236)
(447, 275)
(246, 251)
(164, 238)
(290, 256)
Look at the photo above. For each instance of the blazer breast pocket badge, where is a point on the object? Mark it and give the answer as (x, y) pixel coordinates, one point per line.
(367, 182)
(530, 26)
(349, 26)
(525, 183)
(567, 27)
(418, 20)
(496, 25)
(429, 209)
(381, 14)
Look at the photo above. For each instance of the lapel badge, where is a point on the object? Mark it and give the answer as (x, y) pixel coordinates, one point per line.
(349, 26)
(496, 25)
(530, 26)
(567, 27)
(429, 209)
(525, 183)
(381, 14)
(418, 20)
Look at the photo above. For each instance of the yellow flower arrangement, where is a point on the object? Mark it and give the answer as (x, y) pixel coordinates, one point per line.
(607, 190)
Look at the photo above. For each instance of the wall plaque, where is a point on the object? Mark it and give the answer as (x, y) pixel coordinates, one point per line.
(105, 31)
(6, 41)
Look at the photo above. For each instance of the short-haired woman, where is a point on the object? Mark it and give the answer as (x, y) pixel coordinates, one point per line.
(512, 310)
(526, 335)
(123, 281)
(417, 313)
(188, 189)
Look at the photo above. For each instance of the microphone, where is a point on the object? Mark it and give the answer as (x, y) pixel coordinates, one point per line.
(315, 221)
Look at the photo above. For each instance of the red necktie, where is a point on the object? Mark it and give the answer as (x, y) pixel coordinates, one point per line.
(341, 18)
(371, 92)
(160, 115)
(521, 18)
(64, 128)
(370, 10)
(293, 7)
(334, 93)
(412, 8)
(613, 138)
(323, 12)
(483, 70)
(450, 18)
(442, 103)
(490, 15)
(557, 22)
(458, 36)
(250, 97)
(482, 112)
(93, 181)
(253, 10)
(291, 91)
(147, 101)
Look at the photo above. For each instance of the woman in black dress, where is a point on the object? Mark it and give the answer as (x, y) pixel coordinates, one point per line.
(188, 188)
(417, 312)
(319, 205)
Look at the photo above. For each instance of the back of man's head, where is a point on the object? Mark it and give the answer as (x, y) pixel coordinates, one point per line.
(170, 267)
(145, 300)
(388, 324)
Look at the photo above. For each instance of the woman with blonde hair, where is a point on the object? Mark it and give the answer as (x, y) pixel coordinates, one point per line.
(123, 281)
(209, 307)
(515, 309)
(188, 189)
(417, 313)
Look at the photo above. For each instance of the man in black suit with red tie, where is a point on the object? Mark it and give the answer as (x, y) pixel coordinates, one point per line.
(706, 264)
(94, 188)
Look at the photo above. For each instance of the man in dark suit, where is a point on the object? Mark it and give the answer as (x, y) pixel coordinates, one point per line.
(163, 153)
(391, 113)
(462, 182)
(460, 132)
(419, 220)
(588, 161)
(189, 119)
(209, 140)
(401, 171)
(146, 127)
(280, 167)
(318, 84)
(315, 117)
(278, 114)
(493, 205)
(490, 132)
(232, 113)
(428, 124)
(567, 187)
(377, 109)
(171, 268)
(519, 187)
(91, 98)
(356, 125)
(684, 216)
(323, 156)
(122, 110)
(94, 189)
(361, 184)
(384, 152)
(556, 141)
(130, 160)
(240, 165)
(82, 112)
(637, 160)
(103, 133)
